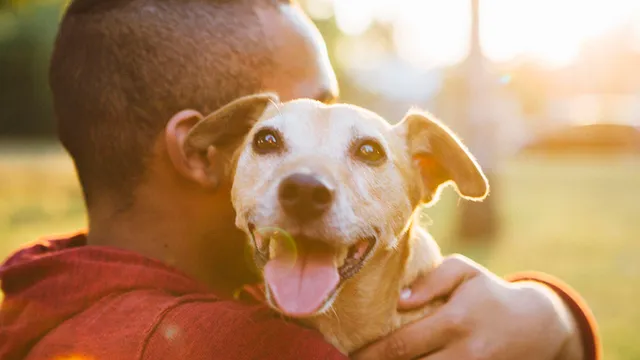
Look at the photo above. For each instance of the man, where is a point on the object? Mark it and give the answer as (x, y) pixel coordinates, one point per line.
(155, 275)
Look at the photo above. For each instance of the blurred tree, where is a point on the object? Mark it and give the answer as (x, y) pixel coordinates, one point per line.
(529, 81)
(26, 39)
(478, 221)
(20, 4)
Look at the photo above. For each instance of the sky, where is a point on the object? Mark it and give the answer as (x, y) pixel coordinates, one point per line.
(433, 33)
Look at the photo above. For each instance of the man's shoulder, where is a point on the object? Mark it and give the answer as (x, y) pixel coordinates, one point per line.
(198, 329)
(114, 326)
(153, 324)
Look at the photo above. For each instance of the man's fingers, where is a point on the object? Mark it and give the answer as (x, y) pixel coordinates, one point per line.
(440, 282)
(413, 340)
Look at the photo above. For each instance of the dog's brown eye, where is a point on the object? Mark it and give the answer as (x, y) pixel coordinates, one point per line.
(370, 152)
(266, 141)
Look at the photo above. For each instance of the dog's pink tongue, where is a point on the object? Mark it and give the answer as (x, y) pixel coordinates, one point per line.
(301, 279)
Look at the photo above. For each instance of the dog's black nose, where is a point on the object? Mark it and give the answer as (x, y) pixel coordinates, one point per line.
(304, 196)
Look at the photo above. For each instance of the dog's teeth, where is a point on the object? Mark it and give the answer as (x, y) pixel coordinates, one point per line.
(352, 252)
(356, 252)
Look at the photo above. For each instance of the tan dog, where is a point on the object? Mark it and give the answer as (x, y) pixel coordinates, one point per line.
(327, 195)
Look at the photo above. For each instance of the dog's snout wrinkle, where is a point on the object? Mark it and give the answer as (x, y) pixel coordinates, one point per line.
(304, 196)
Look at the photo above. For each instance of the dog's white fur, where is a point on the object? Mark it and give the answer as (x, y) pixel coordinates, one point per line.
(319, 139)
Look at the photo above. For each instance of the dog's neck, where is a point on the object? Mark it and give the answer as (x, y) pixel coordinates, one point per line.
(366, 307)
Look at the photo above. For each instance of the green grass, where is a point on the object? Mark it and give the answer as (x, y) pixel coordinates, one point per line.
(39, 195)
(577, 218)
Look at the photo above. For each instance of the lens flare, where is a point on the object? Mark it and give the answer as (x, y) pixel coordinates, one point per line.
(73, 357)
(505, 79)
(279, 244)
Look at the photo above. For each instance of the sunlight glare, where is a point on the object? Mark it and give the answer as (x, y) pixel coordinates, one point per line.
(353, 17)
(320, 9)
(549, 30)
(635, 28)
(433, 33)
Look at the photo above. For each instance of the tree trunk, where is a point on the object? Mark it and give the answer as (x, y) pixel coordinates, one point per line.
(478, 221)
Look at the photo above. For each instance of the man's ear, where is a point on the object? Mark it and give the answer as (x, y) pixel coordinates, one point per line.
(440, 158)
(200, 147)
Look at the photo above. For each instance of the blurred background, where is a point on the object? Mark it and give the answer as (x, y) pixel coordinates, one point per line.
(546, 93)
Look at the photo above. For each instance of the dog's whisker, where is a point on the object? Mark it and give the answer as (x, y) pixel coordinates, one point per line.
(335, 313)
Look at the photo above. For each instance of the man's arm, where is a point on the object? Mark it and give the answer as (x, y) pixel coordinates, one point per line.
(199, 330)
(585, 339)
(486, 317)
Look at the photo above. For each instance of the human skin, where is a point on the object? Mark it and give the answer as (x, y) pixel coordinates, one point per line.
(485, 317)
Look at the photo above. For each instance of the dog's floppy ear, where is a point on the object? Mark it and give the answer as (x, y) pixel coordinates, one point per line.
(440, 158)
(209, 144)
(227, 125)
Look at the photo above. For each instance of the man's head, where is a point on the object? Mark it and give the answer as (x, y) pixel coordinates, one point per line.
(131, 77)
(121, 69)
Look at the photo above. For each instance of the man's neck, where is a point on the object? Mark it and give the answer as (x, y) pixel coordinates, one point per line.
(214, 257)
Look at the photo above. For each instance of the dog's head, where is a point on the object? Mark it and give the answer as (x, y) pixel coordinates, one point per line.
(319, 188)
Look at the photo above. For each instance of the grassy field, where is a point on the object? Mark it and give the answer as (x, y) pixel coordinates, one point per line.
(577, 218)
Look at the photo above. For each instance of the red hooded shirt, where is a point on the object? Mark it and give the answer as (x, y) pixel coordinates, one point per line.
(64, 300)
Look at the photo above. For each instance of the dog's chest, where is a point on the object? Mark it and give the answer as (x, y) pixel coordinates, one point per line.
(367, 308)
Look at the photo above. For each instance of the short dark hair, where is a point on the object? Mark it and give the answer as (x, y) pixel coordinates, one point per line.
(121, 68)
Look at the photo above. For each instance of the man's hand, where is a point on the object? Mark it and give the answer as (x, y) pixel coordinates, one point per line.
(484, 317)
